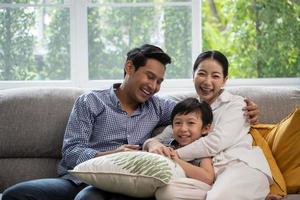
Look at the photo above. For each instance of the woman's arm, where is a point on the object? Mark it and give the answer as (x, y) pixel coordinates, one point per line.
(229, 129)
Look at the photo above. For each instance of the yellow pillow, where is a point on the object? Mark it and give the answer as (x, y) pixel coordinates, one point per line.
(284, 141)
(257, 132)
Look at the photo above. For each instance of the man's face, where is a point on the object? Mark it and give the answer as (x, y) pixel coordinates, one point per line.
(146, 81)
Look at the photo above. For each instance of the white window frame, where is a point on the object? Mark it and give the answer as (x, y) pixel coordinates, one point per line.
(79, 54)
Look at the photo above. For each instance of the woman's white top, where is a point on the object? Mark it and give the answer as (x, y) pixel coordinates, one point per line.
(229, 139)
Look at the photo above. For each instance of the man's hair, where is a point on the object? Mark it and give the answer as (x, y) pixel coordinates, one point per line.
(190, 105)
(139, 56)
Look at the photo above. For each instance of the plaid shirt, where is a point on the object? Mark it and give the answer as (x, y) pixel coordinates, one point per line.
(97, 123)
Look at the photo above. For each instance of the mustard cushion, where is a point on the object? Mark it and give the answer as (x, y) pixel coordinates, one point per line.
(284, 140)
(257, 132)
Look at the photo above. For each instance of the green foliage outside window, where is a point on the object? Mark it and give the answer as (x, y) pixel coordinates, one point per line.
(16, 44)
(260, 37)
(111, 36)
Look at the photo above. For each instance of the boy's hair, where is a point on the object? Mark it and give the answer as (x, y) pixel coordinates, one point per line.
(139, 56)
(190, 105)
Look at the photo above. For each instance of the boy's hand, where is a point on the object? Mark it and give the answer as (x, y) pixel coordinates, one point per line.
(251, 111)
(174, 155)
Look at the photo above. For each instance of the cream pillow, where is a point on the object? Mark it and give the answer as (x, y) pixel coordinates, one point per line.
(135, 173)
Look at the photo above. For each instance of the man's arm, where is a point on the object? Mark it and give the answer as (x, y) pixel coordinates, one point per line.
(78, 145)
(78, 131)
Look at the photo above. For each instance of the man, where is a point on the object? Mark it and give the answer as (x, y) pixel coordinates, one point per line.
(105, 122)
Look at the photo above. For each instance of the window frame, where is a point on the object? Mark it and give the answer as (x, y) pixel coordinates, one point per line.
(79, 54)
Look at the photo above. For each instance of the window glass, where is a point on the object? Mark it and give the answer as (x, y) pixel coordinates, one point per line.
(112, 31)
(32, 1)
(34, 43)
(260, 38)
(136, 1)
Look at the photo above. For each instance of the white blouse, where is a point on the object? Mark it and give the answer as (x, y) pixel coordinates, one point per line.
(229, 139)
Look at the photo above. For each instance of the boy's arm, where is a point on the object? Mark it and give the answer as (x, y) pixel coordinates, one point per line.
(204, 172)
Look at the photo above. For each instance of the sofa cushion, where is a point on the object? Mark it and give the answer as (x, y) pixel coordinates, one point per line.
(284, 140)
(257, 132)
(274, 102)
(33, 121)
(32, 125)
(134, 173)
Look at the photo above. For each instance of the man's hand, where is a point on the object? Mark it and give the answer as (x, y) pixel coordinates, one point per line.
(251, 111)
(125, 147)
(128, 147)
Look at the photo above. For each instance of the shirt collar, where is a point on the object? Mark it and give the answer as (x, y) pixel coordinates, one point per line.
(116, 100)
(222, 98)
(173, 144)
(112, 94)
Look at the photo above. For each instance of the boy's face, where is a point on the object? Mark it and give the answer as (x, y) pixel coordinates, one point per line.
(188, 128)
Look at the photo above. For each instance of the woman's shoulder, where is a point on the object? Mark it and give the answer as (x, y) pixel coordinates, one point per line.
(228, 96)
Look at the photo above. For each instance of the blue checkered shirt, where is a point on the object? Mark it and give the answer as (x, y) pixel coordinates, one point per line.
(97, 123)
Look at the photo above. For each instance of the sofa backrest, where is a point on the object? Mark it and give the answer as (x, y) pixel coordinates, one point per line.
(32, 124)
(274, 103)
(33, 120)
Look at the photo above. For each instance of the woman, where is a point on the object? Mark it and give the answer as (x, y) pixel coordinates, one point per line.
(242, 172)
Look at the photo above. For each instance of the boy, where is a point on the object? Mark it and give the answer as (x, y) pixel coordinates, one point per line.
(191, 120)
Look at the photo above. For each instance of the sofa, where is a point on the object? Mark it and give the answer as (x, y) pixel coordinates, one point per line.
(33, 120)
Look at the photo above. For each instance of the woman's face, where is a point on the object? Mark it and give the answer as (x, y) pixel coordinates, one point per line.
(209, 80)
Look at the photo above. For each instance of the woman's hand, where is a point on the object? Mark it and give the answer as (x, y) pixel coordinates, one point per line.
(251, 111)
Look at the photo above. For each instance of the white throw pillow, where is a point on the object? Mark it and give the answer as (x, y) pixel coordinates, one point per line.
(134, 173)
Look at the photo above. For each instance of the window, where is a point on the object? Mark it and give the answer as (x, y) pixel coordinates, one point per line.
(260, 38)
(114, 28)
(34, 43)
(84, 42)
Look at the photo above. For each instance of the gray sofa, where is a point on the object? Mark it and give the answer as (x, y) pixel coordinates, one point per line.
(33, 120)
